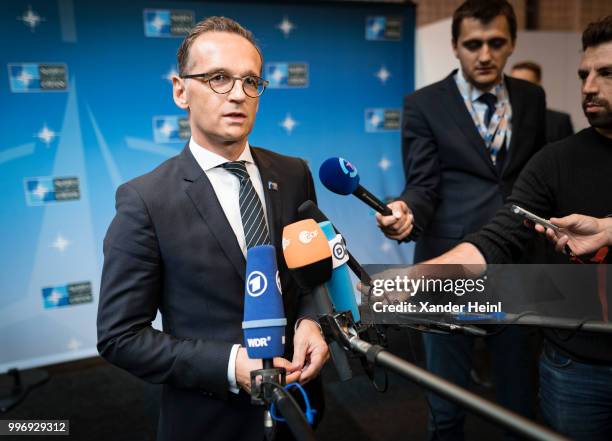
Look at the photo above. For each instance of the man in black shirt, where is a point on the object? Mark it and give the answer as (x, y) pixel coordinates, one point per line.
(571, 176)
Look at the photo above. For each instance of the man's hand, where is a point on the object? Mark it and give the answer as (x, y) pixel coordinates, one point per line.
(398, 225)
(309, 350)
(244, 366)
(583, 234)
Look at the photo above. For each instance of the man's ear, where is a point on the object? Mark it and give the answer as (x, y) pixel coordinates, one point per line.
(179, 92)
(454, 45)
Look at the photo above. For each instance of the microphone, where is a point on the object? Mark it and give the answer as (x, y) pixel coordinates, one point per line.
(308, 210)
(264, 315)
(308, 256)
(340, 176)
(307, 253)
(339, 285)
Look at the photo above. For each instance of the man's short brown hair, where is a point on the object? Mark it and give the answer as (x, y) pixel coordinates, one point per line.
(211, 24)
(532, 66)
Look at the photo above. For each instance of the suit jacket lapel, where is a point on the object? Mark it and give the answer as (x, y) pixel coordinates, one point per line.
(516, 102)
(200, 191)
(271, 188)
(453, 101)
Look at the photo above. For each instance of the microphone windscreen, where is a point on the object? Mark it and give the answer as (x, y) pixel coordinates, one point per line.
(339, 176)
(309, 210)
(264, 315)
(340, 286)
(307, 253)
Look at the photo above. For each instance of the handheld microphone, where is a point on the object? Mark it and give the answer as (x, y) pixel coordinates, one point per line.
(340, 176)
(339, 285)
(310, 210)
(264, 315)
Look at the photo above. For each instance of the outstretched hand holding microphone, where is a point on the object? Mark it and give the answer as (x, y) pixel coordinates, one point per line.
(395, 219)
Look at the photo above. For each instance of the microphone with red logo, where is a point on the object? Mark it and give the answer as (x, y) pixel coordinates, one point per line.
(308, 255)
(340, 176)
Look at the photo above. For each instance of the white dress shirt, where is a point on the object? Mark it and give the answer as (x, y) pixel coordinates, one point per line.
(227, 187)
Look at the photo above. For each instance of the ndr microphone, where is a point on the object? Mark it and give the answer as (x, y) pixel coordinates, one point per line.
(341, 177)
(264, 315)
(339, 286)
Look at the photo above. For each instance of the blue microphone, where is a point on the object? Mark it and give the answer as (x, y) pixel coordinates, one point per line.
(340, 287)
(264, 315)
(340, 176)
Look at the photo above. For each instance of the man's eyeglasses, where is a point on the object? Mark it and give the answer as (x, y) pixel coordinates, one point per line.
(221, 82)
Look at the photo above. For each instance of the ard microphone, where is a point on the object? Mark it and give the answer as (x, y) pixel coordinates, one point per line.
(264, 315)
(341, 177)
(339, 285)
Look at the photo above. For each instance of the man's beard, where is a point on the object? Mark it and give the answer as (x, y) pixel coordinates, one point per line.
(601, 119)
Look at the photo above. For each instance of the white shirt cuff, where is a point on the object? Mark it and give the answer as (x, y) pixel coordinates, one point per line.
(231, 370)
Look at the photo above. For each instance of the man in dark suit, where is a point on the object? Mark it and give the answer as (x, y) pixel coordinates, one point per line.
(465, 140)
(558, 124)
(178, 243)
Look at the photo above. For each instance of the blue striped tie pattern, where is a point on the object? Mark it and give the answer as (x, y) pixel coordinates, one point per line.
(251, 210)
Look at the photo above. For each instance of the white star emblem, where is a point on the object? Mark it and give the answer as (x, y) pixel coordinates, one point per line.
(55, 297)
(385, 246)
(166, 129)
(384, 164)
(40, 191)
(25, 77)
(60, 243)
(277, 76)
(383, 74)
(168, 76)
(74, 344)
(157, 22)
(31, 18)
(286, 26)
(375, 119)
(46, 135)
(376, 27)
(288, 124)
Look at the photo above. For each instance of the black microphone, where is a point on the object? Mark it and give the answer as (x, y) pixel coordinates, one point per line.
(309, 210)
(308, 256)
(340, 176)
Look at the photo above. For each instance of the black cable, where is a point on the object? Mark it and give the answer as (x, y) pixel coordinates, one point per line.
(292, 412)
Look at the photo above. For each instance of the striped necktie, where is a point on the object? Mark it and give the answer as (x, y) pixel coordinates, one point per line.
(251, 210)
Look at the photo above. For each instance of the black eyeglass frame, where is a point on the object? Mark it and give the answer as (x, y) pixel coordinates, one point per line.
(210, 75)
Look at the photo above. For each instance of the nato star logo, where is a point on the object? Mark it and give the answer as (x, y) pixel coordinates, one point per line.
(285, 26)
(171, 73)
(24, 77)
(383, 74)
(55, 296)
(30, 18)
(385, 247)
(60, 243)
(288, 124)
(277, 74)
(157, 23)
(74, 344)
(375, 28)
(384, 164)
(375, 120)
(46, 135)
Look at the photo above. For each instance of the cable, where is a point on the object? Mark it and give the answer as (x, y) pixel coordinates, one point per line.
(309, 412)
